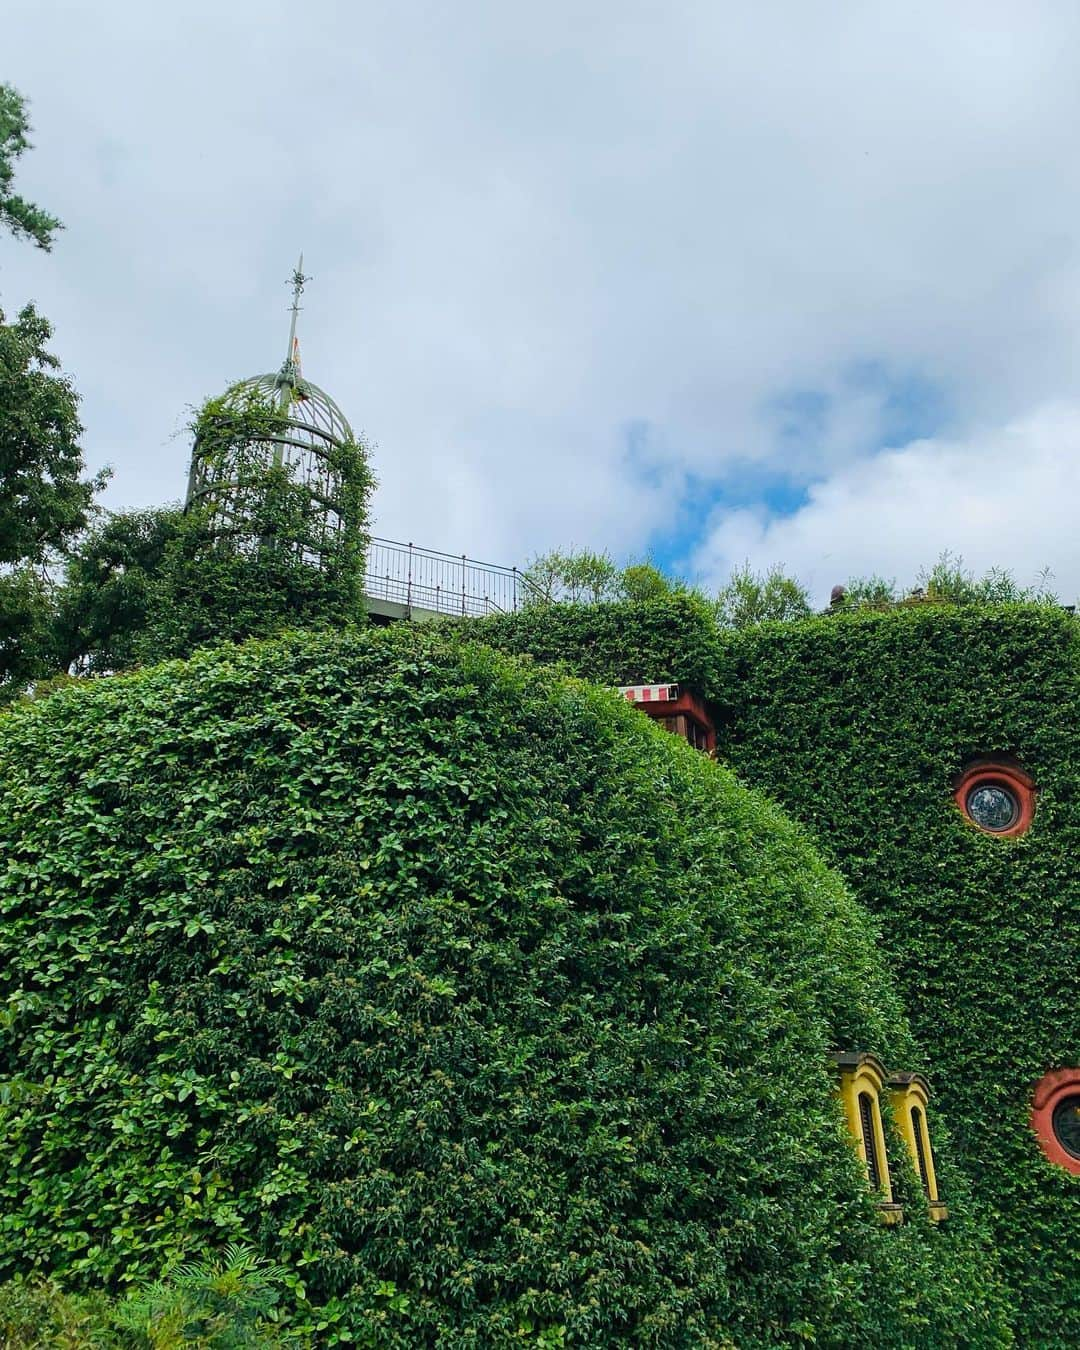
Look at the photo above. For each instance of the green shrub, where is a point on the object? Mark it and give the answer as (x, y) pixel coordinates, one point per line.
(39, 1315)
(488, 1009)
(215, 1305)
(632, 642)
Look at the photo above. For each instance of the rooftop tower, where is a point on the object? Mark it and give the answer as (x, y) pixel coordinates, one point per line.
(274, 422)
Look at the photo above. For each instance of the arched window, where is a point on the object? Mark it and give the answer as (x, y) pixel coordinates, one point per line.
(869, 1142)
(922, 1146)
(862, 1077)
(910, 1094)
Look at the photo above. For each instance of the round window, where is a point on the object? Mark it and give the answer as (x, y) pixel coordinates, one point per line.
(996, 796)
(1066, 1124)
(1055, 1117)
(993, 807)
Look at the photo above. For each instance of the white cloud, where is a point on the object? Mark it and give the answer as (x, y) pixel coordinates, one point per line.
(1001, 498)
(530, 229)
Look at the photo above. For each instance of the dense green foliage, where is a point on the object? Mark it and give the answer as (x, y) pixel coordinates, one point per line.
(262, 561)
(103, 607)
(751, 597)
(859, 726)
(492, 1011)
(44, 498)
(673, 638)
(22, 218)
(35, 1314)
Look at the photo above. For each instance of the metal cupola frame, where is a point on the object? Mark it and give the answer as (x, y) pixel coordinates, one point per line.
(308, 436)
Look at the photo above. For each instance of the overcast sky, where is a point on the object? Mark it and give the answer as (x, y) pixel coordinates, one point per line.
(789, 282)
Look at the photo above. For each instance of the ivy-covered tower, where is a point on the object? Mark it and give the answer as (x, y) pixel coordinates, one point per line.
(279, 429)
(274, 531)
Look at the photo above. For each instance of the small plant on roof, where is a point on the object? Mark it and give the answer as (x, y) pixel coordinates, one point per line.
(222, 1304)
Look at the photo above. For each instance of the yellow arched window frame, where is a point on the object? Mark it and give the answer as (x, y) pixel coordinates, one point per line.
(862, 1079)
(909, 1095)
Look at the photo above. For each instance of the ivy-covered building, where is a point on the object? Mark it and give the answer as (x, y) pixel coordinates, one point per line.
(930, 753)
(493, 1014)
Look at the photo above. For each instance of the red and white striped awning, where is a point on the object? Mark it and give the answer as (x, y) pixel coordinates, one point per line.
(649, 693)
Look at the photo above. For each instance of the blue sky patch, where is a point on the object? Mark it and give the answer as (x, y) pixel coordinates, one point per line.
(898, 407)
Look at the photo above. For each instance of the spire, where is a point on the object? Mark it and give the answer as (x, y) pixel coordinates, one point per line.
(291, 369)
(290, 375)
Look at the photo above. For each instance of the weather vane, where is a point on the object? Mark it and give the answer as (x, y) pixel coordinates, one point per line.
(297, 281)
(292, 354)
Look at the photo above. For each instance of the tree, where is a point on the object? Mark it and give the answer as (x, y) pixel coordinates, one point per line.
(872, 592)
(580, 577)
(948, 582)
(583, 577)
(22, 218)
(103, 606)
(27, 644)
(643, 582)
(44, 499)
(758, 597)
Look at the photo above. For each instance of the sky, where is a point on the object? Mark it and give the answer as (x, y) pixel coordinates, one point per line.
(711, 283)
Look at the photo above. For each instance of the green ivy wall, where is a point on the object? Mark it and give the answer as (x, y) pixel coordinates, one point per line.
(858, 725)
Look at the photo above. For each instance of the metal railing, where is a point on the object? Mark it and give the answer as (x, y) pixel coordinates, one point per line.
(447, 583)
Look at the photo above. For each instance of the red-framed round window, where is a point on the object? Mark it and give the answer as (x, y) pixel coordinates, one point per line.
(996, 796)
(1055, 1117)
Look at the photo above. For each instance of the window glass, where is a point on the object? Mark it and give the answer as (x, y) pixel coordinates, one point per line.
(866, 1120)
(918, 1126)
(993, 806)
(1066, 1124)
